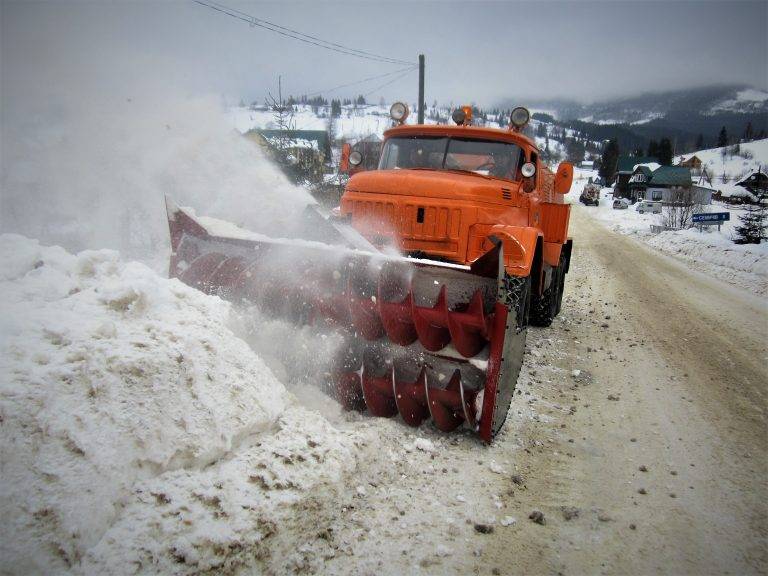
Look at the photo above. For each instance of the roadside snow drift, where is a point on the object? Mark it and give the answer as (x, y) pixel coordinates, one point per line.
(138, 431)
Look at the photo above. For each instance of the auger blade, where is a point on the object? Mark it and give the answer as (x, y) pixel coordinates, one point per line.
(378, 384)
(425, 339)
(411, 399)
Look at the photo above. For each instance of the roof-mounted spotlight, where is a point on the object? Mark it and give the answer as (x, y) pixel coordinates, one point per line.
(462, 116)
(519, 118)
(399, 112)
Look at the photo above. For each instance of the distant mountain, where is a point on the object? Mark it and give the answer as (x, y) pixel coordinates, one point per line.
(678, 114)
(708, 100)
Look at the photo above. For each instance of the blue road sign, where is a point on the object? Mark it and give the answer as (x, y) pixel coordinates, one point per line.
(711, 217)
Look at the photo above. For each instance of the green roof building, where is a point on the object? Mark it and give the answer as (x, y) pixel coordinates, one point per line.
(666, 176)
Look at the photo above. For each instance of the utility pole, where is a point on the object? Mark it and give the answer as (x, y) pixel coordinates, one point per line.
(421, 89)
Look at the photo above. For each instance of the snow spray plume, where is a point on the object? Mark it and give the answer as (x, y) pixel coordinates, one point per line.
(93, 142)
(96, 177)
(92, 139)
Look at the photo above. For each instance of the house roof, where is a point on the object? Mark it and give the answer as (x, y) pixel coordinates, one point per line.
(647, 168)
(320, 137)
(757, 173)
(729, 189)
(644, 168)
(671, 176)
(627, 163)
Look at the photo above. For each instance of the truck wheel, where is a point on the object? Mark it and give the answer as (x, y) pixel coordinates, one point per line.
(543, 308)
(560, 285)
(548, 305)
(517, 298)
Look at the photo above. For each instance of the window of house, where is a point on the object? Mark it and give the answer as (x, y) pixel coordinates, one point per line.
(657, 195)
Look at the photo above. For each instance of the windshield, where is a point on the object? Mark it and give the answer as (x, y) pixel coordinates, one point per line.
(484, 157)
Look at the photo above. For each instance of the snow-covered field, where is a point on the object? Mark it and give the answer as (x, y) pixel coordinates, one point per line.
(710, 251)
(354, 122)
(728, 168)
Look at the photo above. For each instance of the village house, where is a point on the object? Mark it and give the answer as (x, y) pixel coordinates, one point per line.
(745, 191)
(666, 184)
(625, 168)
(693, 163)
(304, 156)
(756, 182)
(305, 145)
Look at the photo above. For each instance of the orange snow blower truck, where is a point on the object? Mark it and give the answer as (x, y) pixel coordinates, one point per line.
(432, 268)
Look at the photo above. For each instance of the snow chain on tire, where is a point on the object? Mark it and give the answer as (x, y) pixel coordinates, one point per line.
(515, 298)
(545, 308)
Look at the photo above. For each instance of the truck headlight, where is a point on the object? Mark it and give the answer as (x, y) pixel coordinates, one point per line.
(355, 158)
(528, 169)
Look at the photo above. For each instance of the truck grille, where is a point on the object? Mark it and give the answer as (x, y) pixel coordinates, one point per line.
(436, 227)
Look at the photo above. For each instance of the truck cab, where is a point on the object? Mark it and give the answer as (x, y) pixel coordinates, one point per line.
(446, 192)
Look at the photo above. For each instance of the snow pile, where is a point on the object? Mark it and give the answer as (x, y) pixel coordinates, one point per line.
(744, 265)
(138, 429)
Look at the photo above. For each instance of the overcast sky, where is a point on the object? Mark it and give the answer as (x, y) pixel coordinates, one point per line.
(475, 51)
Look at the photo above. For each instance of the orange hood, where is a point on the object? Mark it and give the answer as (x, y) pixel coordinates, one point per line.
(433, 184)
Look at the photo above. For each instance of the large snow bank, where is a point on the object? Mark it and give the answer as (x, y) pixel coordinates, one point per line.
(744, 265)
(139, 432)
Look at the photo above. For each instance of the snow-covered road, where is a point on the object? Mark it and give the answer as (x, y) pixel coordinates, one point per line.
(638, 431)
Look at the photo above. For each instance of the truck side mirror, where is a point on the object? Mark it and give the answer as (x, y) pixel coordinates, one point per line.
(563, 178)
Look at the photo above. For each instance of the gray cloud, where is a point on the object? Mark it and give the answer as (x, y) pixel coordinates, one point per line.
(475, 51)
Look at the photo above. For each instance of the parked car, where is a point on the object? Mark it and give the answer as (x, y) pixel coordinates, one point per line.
(649, 206)
(620, 204)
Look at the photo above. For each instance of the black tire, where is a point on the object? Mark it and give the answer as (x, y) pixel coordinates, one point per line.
(517, 298)
(560, 285)
(544, 308)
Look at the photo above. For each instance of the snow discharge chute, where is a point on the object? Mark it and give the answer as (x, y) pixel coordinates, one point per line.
(423, 339)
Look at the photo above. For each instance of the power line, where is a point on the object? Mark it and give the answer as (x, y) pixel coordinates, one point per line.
(403, 75)
(364, 80)
(296, 35)
(290, 30)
